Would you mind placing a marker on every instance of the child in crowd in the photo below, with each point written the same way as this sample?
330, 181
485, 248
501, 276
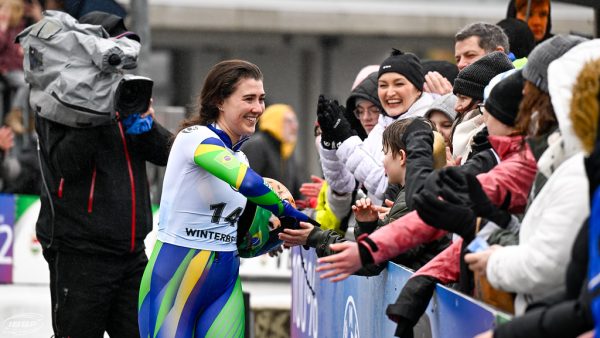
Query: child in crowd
366, 212
442, 115
400, 90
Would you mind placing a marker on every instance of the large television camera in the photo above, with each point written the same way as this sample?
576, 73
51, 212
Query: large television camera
77, 72
133, 94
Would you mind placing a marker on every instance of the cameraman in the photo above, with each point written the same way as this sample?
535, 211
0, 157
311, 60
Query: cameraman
94, 217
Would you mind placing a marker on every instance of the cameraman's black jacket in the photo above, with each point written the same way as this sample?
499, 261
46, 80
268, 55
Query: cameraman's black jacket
91, 179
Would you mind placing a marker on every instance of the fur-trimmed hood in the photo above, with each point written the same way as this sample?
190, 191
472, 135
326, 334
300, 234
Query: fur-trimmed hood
569, 83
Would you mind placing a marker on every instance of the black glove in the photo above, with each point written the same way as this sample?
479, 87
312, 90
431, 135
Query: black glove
418, 126
448, 214
334, 126
326, 130
480, 142
483, 207
453, 181
289, 222
466, 190
411, 304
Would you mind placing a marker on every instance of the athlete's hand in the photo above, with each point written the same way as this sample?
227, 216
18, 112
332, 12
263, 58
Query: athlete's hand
275, 251
290, 211
341, 265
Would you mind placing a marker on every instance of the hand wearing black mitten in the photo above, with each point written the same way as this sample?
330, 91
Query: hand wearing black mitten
411, 304
453, 179
483, 207
340, 127
325, 124
419, 126
480, 142
288, 222
450, 215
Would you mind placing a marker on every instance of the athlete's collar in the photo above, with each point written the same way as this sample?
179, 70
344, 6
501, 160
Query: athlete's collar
226, 139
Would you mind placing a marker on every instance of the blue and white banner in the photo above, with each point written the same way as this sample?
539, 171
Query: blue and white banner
7, 221
356, 307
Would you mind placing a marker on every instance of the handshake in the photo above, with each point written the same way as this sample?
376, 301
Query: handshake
335, 128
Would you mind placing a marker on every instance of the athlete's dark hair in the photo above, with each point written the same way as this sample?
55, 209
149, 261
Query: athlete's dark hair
220, 82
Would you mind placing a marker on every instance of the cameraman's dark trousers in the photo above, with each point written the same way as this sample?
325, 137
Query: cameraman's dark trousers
94, 293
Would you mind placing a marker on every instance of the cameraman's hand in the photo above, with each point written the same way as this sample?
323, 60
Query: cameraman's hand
150, 111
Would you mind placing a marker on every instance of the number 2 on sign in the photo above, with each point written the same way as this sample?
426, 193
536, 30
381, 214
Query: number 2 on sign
4, 246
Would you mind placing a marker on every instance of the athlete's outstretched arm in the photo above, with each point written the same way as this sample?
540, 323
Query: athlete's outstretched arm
213, 157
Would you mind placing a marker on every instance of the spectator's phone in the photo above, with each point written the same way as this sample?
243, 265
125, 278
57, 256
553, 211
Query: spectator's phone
477, 245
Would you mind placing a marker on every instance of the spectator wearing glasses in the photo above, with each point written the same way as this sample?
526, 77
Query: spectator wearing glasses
336, 196
400, 90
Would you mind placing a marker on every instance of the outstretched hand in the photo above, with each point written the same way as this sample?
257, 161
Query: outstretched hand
436, 83
384, 210
293, 237
478, 261
311, 190
365, 211
341, 265
334, 125
4, 17
6, 139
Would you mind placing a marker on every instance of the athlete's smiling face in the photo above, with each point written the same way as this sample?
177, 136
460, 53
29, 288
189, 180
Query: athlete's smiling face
239, 113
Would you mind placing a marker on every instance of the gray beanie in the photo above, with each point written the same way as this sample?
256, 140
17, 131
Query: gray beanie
444, 104
536, 68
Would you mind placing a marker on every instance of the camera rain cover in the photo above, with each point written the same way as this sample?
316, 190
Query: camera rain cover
71, 70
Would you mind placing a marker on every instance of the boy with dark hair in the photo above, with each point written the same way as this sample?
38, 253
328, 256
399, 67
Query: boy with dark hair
367, 214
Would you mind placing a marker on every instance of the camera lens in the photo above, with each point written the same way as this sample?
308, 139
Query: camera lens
133, 95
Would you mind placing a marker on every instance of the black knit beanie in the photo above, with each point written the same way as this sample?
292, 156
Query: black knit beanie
505, 97
520, 37
445, 68
406, 64
472, 80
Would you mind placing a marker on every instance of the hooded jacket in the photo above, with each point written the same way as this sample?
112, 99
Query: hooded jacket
364, 159
339, 178
366, 90
537, 265
511, 12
